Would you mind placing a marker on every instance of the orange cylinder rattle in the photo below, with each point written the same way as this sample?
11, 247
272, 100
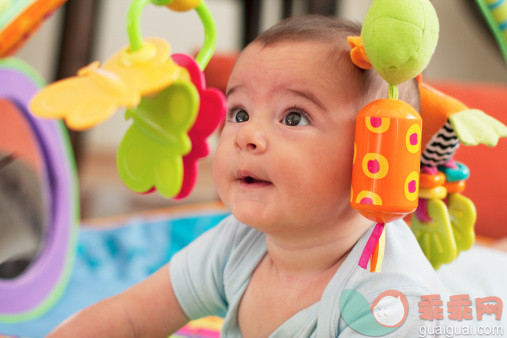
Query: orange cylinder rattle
385, 175
387, 153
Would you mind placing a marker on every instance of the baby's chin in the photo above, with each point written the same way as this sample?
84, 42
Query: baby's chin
257, 219
268, 224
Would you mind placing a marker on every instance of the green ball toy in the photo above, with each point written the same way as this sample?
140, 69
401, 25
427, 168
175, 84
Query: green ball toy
399, 37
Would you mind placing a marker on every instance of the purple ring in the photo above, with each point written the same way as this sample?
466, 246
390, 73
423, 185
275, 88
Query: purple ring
32, 288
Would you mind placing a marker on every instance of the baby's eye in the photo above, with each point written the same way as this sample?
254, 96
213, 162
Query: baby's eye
239, 116
296, 118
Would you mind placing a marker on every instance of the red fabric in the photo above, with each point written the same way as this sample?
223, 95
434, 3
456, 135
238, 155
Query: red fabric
219, 69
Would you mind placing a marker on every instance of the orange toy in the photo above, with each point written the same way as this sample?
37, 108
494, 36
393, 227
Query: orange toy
385, 175
436, 108
27, 17
385, 178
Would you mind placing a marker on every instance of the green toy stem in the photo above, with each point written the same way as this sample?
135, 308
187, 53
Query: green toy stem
493, 25
210, 31
393, 92
210, 35
133, 24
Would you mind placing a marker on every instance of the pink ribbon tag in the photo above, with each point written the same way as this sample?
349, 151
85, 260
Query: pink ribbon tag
370, 245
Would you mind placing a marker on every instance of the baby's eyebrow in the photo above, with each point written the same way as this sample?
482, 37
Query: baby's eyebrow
232, 89
307, 95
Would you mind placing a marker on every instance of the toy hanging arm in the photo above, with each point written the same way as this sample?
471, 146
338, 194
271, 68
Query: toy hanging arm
210, 32
387, 145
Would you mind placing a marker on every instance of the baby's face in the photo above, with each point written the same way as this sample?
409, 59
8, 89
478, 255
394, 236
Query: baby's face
285, 154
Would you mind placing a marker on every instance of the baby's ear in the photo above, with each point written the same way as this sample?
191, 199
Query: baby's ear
358, 54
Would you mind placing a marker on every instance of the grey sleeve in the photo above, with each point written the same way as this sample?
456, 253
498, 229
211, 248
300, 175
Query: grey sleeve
197, 271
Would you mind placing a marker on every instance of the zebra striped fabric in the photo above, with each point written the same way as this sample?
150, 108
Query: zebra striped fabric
441, 147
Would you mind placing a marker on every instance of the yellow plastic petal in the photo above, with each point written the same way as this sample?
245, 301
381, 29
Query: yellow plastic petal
85, 100
96, 93
148, 70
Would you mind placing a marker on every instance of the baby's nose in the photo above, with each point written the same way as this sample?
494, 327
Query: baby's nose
251, 139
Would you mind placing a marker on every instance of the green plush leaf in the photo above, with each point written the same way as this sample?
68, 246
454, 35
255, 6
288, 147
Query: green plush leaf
475, 127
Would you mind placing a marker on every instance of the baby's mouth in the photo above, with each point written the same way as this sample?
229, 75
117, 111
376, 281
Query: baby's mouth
250, 180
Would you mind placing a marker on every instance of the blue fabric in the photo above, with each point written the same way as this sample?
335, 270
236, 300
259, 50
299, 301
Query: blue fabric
111, 260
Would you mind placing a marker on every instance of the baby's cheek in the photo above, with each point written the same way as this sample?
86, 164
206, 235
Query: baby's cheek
218, 170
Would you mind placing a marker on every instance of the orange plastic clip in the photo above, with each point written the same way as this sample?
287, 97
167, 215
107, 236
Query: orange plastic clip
358, 54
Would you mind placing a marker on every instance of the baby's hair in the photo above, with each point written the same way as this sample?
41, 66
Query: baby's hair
333, 32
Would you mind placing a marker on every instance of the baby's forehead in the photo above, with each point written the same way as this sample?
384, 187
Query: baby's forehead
301, 58
318, 50
312, 66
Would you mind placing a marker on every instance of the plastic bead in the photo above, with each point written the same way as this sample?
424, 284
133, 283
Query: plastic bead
459, 172
428, 181
455, 187
183, 5
435, 193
